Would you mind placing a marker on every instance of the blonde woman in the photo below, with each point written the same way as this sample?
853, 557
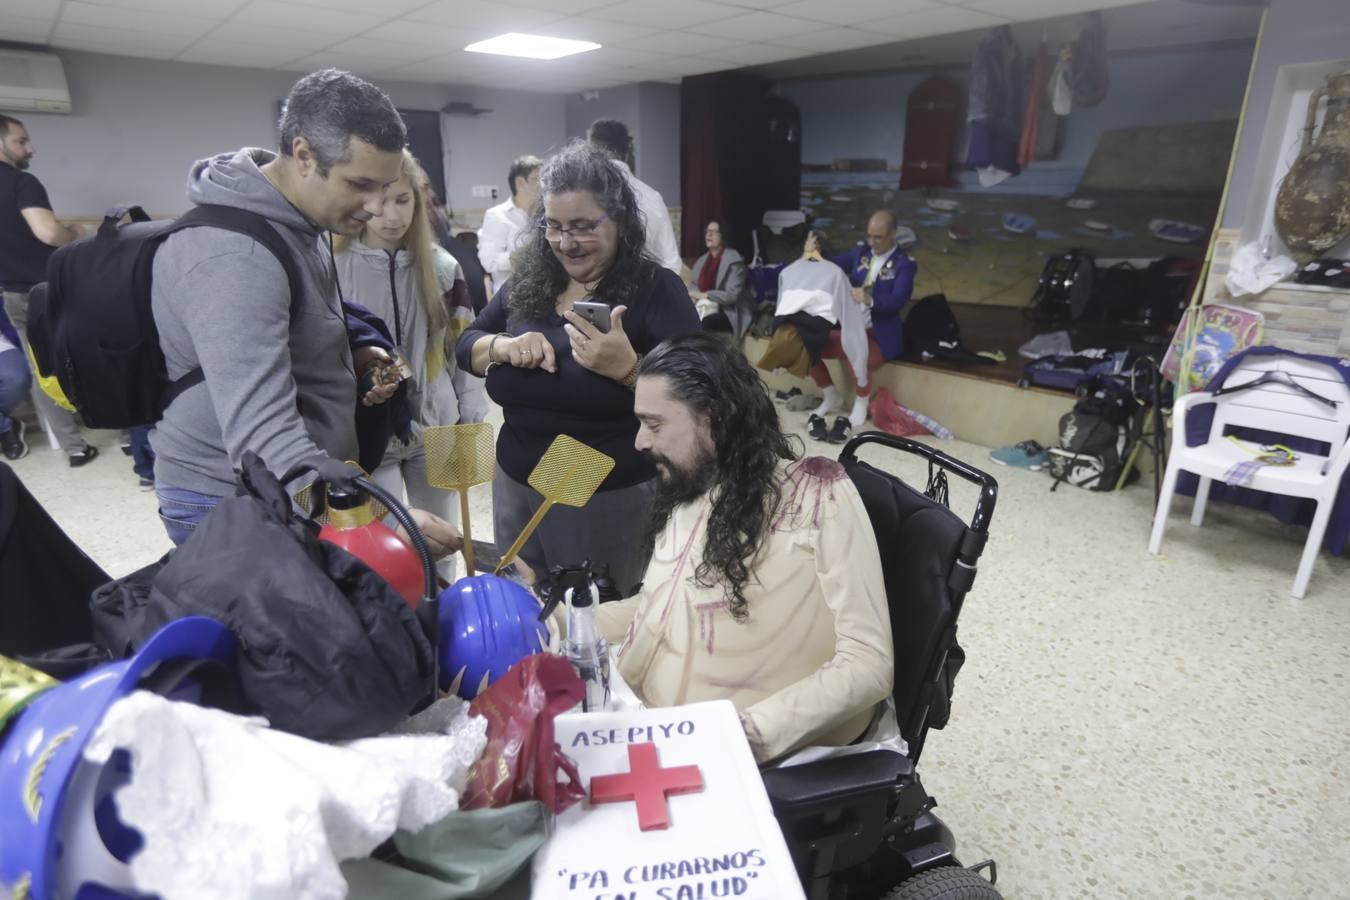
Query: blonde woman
396, 269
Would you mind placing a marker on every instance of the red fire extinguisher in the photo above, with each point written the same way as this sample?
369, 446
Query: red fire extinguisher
353, 527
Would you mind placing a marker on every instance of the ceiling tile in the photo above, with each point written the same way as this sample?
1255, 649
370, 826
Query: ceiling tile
484, 14
681, 65
664, 13
586, 28
761, 4
757, 26
935, 21
201, 9
1026, 10
679, 43
232, 53
617, 57
286, 16
424, 33
853, 12
22, 28
386, 8
30, 9
297, 41
468, 64
68, 34
115, 49
75, 13
393, 52
753, 54
351, 62
828, 40
563, 7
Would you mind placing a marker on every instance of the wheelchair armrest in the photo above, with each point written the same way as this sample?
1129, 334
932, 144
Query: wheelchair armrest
836, 780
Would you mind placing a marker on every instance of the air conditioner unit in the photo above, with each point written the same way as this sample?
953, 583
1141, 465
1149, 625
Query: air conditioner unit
32, 82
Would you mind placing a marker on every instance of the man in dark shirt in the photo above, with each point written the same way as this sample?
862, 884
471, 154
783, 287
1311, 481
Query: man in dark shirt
29, 232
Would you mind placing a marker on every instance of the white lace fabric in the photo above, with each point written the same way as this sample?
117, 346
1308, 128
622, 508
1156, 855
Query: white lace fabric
231, 808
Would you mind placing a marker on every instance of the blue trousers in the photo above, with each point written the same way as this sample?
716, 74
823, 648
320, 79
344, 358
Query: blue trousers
14, 384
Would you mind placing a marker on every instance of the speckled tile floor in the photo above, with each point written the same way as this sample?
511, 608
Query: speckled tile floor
1125, 726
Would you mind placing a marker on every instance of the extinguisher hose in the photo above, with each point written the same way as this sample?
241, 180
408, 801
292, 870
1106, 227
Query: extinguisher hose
428, 610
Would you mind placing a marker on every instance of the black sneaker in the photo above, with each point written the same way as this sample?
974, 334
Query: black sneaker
787, 395
11, 439
86, 455
840, 431
815, 426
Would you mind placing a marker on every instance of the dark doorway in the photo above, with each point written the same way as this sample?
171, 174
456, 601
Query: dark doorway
424, 140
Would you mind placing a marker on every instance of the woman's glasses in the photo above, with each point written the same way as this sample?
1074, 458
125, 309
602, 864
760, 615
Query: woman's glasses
578, 231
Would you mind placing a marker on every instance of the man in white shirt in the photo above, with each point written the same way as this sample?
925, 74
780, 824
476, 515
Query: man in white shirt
504, 223
612, 138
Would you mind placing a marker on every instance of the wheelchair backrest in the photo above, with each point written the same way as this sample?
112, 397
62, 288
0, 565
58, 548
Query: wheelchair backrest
928, 557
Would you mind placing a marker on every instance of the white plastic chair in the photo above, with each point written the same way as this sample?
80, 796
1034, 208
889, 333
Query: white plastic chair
1275, 407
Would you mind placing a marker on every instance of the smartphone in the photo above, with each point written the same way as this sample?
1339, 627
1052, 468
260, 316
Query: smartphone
595, 313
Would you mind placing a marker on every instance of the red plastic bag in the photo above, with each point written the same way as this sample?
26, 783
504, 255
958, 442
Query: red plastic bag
889, 417
522, 760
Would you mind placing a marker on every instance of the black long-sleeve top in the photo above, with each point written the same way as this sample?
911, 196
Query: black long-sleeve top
537, 405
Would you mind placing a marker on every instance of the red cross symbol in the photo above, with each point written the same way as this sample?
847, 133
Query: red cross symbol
648, 785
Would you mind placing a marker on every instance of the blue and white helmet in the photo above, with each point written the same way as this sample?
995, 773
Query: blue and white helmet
60, 838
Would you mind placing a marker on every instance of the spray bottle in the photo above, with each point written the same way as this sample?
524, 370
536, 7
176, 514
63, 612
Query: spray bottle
584, 648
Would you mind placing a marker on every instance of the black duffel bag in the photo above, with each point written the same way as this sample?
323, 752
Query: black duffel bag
327, 649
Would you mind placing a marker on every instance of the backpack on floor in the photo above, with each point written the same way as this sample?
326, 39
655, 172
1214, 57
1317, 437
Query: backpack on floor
91, 325
1093, 437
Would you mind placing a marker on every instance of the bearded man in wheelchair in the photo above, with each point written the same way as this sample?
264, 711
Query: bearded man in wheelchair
765, 582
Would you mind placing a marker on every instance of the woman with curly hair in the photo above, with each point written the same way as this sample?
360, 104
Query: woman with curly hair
554, 373
765, 585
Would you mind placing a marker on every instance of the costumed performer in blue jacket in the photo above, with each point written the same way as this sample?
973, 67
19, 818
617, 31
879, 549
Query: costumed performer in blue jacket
883, 279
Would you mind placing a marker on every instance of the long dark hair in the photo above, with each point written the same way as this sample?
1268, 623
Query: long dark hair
713, 378
539, 278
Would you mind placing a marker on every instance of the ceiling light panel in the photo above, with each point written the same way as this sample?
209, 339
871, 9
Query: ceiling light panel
531, 46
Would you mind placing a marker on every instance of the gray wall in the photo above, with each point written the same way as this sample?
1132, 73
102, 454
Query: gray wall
611, 103
137, 125
651, 110
1295, 31
658, 142
480, 148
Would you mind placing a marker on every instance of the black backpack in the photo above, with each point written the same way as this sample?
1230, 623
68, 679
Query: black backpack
931, 329
91, 325
1094, 436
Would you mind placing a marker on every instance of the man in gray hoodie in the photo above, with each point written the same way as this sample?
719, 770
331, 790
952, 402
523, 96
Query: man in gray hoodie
280, 377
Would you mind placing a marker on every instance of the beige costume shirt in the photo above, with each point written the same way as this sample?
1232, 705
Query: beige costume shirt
814, 657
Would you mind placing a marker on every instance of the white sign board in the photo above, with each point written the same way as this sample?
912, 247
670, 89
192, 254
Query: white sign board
721, 840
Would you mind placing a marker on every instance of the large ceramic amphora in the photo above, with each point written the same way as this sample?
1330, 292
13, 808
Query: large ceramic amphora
1312, 209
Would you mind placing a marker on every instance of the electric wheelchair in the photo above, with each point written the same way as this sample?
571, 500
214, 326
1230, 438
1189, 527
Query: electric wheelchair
862, 826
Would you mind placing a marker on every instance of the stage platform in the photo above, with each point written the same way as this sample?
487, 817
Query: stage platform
981, 403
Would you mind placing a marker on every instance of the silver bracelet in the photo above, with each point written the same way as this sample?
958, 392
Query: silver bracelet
492, 346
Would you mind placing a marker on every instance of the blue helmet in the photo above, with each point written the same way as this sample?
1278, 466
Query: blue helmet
59, 831
488, 624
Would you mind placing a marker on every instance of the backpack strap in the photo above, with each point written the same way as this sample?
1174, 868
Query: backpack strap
249, 224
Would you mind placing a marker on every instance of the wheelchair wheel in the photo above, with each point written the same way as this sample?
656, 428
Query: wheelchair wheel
945, 883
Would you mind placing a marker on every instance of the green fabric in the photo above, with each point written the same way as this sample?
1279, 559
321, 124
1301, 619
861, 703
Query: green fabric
469, 853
